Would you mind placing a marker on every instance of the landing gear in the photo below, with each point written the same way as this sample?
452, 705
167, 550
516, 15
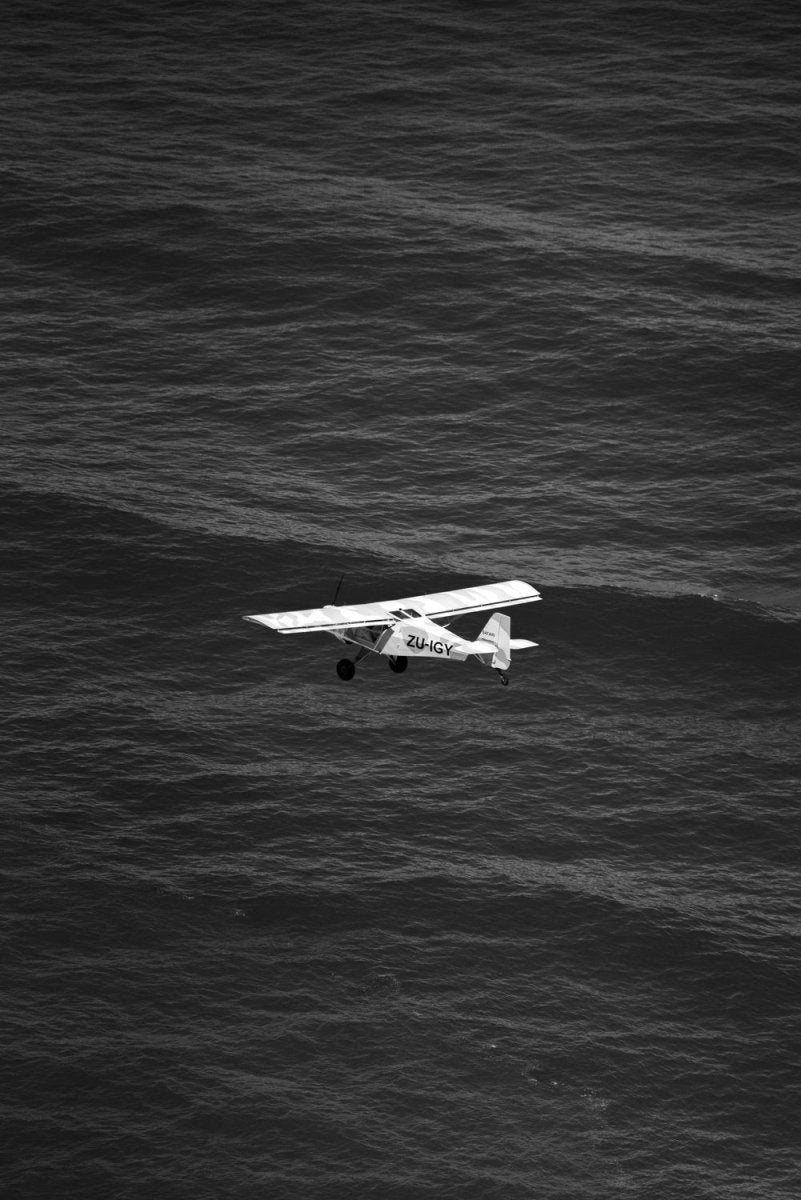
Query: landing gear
345, 669
503, 678
398, 664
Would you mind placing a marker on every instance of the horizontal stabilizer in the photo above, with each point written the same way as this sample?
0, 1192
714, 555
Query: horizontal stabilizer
521, 644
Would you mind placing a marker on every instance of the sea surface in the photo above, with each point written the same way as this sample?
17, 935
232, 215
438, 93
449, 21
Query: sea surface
421, 295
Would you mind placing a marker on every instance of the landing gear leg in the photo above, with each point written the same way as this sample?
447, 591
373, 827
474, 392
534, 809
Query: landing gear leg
345, 669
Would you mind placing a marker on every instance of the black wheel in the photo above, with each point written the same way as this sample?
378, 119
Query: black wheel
398, 664
503, 678
345, 669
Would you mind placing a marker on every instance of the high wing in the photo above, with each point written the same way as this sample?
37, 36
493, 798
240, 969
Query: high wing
330, 617
472, 599
387, 612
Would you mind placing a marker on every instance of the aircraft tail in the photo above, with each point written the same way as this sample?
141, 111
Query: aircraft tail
497, 632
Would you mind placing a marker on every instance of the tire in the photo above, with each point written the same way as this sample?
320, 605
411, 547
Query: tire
398, 664
345, 669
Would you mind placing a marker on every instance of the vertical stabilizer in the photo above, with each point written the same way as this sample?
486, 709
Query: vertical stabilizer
497, 632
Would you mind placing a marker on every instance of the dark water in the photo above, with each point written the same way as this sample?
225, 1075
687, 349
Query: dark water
428, 295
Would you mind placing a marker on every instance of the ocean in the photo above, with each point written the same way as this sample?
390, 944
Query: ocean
418, 296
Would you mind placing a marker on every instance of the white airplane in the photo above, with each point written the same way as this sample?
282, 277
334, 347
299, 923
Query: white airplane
404, 629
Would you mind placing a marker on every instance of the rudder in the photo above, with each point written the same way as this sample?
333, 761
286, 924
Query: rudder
498, 632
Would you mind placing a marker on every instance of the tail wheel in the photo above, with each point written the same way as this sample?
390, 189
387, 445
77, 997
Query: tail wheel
398, 664
503, 678
345, 669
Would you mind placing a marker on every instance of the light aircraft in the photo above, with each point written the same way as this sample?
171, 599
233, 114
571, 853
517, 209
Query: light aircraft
404, 629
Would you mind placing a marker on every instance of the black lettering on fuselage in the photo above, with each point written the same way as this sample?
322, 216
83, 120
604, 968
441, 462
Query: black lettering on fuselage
416, 642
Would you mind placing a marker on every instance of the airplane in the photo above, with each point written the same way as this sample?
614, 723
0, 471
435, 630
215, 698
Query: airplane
404, 629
